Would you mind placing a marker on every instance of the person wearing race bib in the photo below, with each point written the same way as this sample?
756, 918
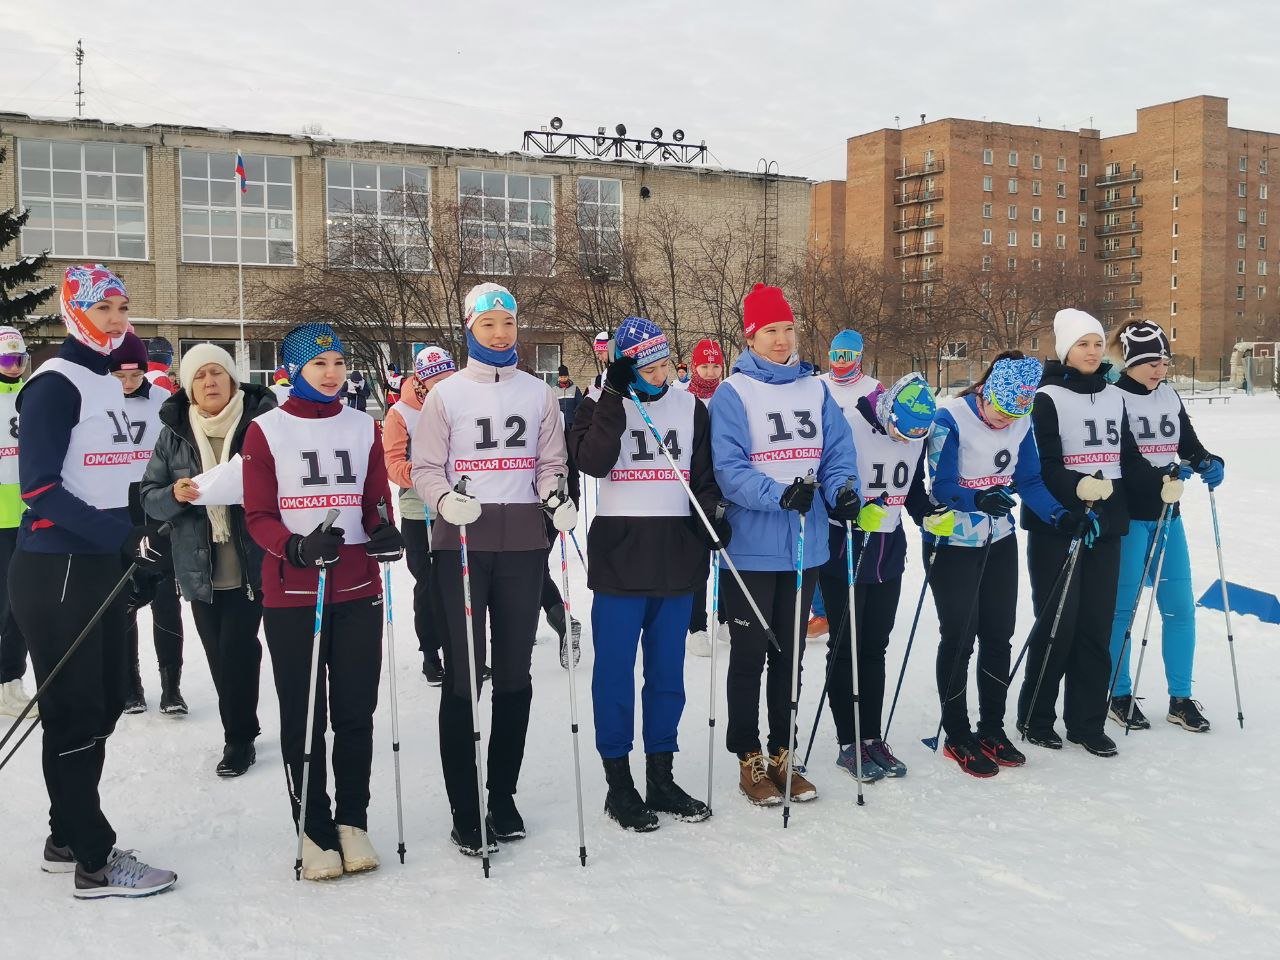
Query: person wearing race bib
600, 350
888, 426
395, 385
981, 447
13, 646
300, 461
1163, 430
1088, 459
75, 463
708, 374
218, 566
772, 424
648, 553
431, 366
502, 429
157, 588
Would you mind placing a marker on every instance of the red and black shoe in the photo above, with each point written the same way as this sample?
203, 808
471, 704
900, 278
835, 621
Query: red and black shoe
998, 748
967, 754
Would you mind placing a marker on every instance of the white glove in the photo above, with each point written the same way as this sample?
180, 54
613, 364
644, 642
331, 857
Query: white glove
1171, 491
564, 515
1093, 489
458, 508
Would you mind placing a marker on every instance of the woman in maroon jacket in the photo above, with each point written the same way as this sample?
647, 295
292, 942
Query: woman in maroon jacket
310, 456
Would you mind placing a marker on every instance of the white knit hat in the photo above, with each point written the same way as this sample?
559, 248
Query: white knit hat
479, 290
1070, 326
197, 356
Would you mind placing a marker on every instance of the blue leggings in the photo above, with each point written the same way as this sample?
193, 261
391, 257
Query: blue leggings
1174, 598
618, 625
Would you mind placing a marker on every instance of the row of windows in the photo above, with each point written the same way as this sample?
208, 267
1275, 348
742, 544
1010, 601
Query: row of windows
1262, 267
988, 186
1243, 165
90, 199
988, 158
1262, 291
1242, 190
1036, 214
1011, 239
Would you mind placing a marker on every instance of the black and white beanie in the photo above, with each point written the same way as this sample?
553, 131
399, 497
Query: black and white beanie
1144, 342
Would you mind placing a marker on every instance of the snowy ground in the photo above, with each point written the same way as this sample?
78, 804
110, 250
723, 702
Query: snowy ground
1168, 850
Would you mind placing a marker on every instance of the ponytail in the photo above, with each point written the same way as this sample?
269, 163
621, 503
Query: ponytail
975, 388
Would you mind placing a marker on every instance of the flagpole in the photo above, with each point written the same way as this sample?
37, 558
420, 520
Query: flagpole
244, 347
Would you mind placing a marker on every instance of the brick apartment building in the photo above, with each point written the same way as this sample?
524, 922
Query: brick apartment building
158, 204
1172, 221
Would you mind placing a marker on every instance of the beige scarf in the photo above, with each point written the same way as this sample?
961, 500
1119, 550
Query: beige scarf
222, 424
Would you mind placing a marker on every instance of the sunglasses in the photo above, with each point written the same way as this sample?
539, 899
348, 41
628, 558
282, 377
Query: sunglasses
845, 356
13, 363
494, 300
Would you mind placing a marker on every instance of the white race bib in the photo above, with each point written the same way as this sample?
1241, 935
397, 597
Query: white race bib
1089, 426
641, 483
8, 438
987, 457
785, 424
1155, 423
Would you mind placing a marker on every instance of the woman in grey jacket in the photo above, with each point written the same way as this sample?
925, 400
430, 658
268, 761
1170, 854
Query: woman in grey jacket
219, 567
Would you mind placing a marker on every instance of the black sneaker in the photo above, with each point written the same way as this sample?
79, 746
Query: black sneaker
1119, 713
505, 822
998, 748
432, 669
1047, 738
664, 795
1185, 712
1099, 744
236, 760
970, 758
467, 840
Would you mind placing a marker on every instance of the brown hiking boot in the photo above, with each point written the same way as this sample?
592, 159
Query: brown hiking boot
801, 789
754, 781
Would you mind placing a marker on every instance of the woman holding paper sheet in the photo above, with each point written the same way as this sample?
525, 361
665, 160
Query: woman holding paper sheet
218, 565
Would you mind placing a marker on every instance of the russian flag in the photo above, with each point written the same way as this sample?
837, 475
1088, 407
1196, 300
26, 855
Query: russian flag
244, 182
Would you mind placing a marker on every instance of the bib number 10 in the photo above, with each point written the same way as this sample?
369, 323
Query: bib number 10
901, 474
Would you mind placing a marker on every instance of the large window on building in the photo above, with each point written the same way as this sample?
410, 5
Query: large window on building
507, 218
546, 359
86, 199
216, 214
375, 211
600, 223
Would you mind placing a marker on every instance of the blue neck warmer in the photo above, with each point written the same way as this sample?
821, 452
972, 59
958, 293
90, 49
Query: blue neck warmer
644, 388
305, 391
495, 358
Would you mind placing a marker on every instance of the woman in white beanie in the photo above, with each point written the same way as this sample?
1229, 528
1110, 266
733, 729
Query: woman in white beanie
218, 566
1087, 459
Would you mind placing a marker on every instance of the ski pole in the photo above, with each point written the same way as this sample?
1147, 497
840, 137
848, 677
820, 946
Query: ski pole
163, 531
853, 650
1035, 624
1073, 554
391, 682
915, 622
573, 699
711, 700
946, 696
1133, 614
1146, 630
574, 537
1226, 607
329, 519
795, 662
473, 683
697, 507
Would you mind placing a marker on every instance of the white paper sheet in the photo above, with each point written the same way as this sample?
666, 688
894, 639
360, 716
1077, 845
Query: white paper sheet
223, 485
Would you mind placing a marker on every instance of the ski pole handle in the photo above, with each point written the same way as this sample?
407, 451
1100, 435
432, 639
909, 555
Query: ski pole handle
330, 518
461, 485
382, 510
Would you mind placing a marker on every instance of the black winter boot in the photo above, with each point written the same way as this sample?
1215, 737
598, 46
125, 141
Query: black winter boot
171, 702
135, 701
622, 803
506, 754
663, 794
458, 763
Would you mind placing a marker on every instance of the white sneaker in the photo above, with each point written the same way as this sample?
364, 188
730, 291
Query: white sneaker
319, 864
699, 644
13, 700
358, 854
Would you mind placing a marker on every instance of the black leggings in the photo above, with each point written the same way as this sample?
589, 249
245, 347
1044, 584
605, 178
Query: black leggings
417, 551
13, 646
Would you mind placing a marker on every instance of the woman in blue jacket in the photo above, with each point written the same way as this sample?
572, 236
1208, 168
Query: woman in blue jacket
772, 424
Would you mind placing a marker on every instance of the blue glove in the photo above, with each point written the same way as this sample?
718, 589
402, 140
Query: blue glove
1079, 523
1211, 470
1184, 471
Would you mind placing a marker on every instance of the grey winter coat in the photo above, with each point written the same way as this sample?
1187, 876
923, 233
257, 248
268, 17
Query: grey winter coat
175, 457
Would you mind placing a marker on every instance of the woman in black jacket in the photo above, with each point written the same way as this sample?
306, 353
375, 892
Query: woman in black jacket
219, 567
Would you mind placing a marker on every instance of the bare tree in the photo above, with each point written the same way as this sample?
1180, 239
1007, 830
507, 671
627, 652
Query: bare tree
1008, 307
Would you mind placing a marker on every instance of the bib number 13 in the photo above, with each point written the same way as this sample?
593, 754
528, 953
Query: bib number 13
805, 428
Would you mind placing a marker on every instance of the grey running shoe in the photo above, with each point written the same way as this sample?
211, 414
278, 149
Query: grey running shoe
123, 876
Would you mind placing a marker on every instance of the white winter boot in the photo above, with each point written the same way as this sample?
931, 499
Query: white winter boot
358, 854
13, 700
319, 864
699, 644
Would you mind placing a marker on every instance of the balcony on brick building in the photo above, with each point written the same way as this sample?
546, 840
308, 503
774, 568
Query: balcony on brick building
1124, 253
920, 169
918, 223
917, 249
1133, 276
1121, 203
922, 276
1115, 229
1112, 179
901, 197
1129, 303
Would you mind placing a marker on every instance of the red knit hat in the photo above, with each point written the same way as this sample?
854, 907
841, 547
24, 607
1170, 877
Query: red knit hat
764, 305
707, 351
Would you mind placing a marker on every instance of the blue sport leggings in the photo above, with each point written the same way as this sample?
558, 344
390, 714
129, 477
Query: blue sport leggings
1174, 598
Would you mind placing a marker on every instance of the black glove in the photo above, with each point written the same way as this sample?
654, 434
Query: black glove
142, 588
386, 544
620, 374
996, 502
846, 506
798, 496
1079, 523
319, 548
720, 524
140, 546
